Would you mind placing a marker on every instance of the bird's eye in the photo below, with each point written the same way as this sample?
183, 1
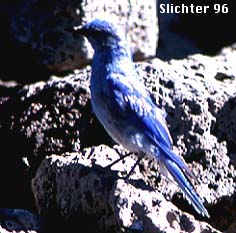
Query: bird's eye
96, 33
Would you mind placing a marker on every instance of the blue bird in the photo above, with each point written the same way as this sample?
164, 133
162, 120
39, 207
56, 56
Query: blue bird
125, 109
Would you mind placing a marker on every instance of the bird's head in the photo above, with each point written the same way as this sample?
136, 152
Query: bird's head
101, 34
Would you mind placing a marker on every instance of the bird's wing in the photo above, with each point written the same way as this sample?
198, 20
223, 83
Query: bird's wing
133, 102
136, 105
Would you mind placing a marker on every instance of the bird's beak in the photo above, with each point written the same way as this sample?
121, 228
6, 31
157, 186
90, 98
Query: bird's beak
80, 30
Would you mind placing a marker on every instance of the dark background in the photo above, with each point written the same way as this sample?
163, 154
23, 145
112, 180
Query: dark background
195, 33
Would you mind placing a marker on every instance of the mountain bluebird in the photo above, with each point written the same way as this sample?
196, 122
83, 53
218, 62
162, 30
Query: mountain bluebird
125, 109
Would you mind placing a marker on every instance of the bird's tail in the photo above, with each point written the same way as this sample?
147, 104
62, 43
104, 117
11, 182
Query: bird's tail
170, 162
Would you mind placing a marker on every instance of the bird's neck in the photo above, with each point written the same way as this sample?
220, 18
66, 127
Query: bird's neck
113, 60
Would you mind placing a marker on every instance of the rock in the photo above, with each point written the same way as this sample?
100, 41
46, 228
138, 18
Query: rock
18, 220
50, 117
77, 184
202, 123
197, 94
41, 119
38, 120
43, 32
7, 89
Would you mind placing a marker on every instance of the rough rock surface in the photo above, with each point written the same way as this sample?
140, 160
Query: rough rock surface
79, 184
40, 119
37, 120
18, 220
7, 89
49, 115
45, 29
198, 94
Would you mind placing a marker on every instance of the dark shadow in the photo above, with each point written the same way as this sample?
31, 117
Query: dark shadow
210, 31
181, 35
183, 205
222, 214
18, 61
224, 128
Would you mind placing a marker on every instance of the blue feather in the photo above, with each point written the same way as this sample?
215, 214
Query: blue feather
178, 174
140, 109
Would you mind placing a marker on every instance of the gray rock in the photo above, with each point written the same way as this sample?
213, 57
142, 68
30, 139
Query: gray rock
18, 220
197, 93
194, 101
202, 123
7, 89
75, 183
38, 120
49, 116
